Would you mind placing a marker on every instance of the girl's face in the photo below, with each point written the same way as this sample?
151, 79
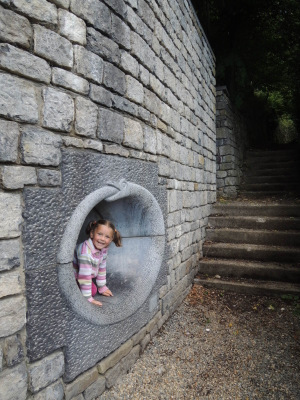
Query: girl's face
102, 236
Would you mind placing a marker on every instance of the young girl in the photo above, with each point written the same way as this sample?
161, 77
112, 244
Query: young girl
90, 259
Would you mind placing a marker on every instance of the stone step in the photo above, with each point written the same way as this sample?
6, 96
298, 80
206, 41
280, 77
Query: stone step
272, 195
270, 172
250, 286
255, 222
265, 162
252, 252
271, 179
257, 209
250, 236
272, 187
278, 153
250, 269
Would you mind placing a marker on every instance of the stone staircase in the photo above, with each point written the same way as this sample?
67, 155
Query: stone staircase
253, 243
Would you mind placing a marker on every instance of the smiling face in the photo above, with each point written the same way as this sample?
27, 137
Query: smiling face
102, 236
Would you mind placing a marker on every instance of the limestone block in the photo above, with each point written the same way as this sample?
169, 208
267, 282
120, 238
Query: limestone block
221, 174
101, 95
10, 283
111, 126
122, 367
115, 149
58, 110
88, 64
102, 45
231, 181
71, 27
10, 217
93, 144
13, 383
81, 383
12, 315
53, 47
72, 141
114, 78
40, 10
23, 63
62, 3
120, 103
48, 177
114, 357
144, 114
68, 80
120, 32
144, 75
150, 139
40, 146
52, 392
15, 177
135, 90
18, 99
13, 351
95, 389
129, 63
9, 20
10, 250
93, 11
145, 341
139, 336
86, 117
9, 138
133, 135
175, 200
46, 371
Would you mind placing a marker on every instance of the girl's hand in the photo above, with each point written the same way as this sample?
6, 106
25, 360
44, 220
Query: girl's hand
107, 293
98, 303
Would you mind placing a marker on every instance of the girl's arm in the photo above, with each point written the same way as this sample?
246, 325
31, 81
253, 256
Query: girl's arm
101, 278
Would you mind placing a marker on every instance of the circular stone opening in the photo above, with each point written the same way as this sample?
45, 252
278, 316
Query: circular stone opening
131, 269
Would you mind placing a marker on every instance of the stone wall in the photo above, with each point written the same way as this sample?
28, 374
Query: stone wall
131, 80
231, 144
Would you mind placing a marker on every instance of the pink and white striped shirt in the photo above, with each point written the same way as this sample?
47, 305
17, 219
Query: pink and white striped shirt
89, 263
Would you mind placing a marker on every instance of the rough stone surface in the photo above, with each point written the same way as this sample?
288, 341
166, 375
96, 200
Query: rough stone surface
13, 383
40, 146
12, 315
69, 80
72, 27
150, 142
114, 78
135, 91
23, 63
133, 135
111, 126
101, 95
129, 63
102, 45
52, 392
58, 110
95, 389
81, 383
10, 217
53, 47
86, 117
8, 32
44, 372
10, 283
18, 99
115, 357
48, 177
62, 3
40, 10
15, 177
94, 12
13, 351
92, 144
120, 32
88, 64
9, 139
10, 250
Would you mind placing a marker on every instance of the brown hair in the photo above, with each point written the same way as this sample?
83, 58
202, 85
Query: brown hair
117, 239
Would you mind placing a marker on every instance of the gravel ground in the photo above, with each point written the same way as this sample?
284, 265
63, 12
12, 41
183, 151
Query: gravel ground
220, 345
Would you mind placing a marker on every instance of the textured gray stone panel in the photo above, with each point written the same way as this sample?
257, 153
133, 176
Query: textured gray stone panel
102, 45
114, 78
72, 27
23, 63
88, 64
10, 250
53, 47
86, 117
58, 110
120, 32
70, 81
93, 11
48, 177
40, 146
8, 32
111, 126
40, 10
13, 383
10, 216
9, 139
18, 99
100, 95
13, 351
12, 315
